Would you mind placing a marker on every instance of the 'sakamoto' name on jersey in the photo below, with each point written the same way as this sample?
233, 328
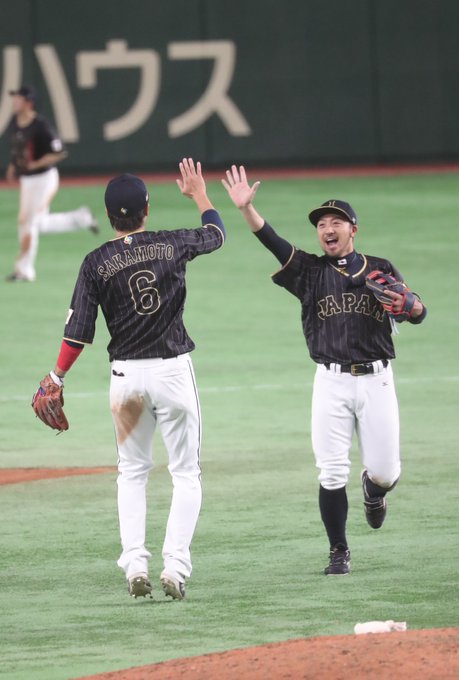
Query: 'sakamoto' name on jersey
138, 281
130, 256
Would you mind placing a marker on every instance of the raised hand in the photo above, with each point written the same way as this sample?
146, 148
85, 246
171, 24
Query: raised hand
192, 182
238, 188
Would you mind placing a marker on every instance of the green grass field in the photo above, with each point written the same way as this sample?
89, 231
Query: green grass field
260, 548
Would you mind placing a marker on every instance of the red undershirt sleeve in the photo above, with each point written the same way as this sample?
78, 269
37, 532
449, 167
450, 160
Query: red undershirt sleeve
68, 355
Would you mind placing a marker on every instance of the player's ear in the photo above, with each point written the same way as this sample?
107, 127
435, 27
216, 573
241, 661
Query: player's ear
147, 209
354, 230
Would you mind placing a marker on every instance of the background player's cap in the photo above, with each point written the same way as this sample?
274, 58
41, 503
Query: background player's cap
125, 196
334, 206
26, 91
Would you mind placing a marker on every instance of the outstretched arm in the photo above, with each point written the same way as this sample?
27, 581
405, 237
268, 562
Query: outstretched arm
193, 186
242, 195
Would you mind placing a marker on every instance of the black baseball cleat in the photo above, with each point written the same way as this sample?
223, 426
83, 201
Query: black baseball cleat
340, 561
375, 507
139, 586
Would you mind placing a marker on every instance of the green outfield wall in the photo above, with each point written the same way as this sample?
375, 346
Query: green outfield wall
137, 85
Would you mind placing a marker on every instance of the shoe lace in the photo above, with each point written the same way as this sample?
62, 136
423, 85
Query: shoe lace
339, 555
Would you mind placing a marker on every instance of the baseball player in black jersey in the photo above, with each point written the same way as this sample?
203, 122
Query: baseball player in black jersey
35, 149
348, 334
138, 281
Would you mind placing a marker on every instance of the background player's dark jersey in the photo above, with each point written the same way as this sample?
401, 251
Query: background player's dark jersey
31, 143
342, 321
139, 282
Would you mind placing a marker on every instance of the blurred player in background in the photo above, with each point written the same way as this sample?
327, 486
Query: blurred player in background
35, 150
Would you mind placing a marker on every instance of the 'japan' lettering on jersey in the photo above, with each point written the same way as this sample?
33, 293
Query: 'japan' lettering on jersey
138, 280
342, 321
31, 143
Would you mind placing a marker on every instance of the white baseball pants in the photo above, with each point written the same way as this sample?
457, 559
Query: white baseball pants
36, 194
367, 404
145, 393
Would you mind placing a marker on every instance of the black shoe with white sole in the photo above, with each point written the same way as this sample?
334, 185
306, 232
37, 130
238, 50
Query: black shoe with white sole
340, 561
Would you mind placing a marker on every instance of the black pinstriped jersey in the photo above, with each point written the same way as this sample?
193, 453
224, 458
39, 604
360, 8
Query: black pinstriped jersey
342, 321
138, 280
31, 143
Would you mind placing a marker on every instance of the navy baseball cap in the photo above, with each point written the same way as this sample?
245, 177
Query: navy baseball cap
25, 91
333, 206
126, 196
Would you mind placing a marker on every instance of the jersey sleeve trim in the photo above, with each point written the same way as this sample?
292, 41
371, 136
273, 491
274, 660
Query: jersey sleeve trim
287, 263
220, 230
211, 218
81, 342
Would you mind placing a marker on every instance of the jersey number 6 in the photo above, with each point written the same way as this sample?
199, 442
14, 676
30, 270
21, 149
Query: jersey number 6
144, 295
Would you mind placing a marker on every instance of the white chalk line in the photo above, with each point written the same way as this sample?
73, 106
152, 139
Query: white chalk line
224, 389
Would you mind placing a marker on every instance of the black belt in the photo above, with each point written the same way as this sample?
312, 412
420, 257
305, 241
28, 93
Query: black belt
358, 369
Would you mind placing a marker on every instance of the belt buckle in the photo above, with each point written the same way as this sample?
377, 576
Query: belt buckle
358, 369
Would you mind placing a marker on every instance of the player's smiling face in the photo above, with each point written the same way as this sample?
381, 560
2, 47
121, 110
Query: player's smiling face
336, 235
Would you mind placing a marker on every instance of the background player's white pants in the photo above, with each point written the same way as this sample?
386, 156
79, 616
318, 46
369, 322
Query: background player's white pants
36, 194
147, 392
342, 403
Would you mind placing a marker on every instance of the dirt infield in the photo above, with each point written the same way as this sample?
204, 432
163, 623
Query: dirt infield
427, 654
19, 475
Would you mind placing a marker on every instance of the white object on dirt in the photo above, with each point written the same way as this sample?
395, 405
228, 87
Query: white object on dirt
379, 627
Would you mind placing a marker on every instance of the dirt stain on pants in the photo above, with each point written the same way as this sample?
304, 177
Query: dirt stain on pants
126, 416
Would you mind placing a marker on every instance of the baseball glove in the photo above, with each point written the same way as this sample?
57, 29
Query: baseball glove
380, 282
47, 402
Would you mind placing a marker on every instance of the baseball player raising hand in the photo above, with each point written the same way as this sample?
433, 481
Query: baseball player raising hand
138, 280
347, 327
